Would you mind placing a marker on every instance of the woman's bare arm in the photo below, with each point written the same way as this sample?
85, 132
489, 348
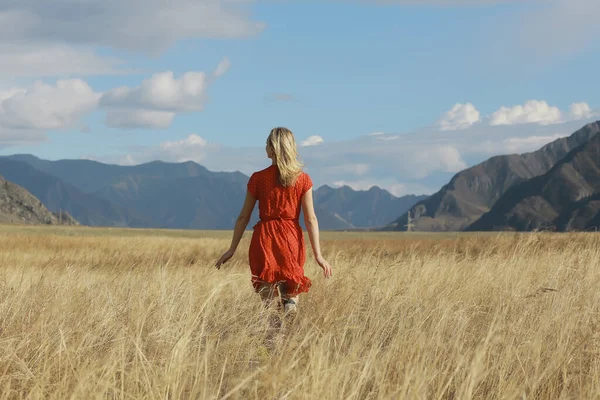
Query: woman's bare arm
240, 226
311, 222
242, 221
312, 226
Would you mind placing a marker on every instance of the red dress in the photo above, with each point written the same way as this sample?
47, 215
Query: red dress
277, 252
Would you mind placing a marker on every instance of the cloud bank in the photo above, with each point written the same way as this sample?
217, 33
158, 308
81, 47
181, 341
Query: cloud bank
58, 38
43, 106
156, 23
463, 116
153, 104
532, 112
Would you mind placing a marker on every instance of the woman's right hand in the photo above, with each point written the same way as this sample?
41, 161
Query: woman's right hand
327, 271
224, 258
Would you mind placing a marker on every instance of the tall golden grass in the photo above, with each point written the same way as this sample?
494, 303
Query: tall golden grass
136, 316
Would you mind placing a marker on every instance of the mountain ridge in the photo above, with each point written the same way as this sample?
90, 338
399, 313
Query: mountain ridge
370, 208
473, 191
177, 195
57, 195
565, 198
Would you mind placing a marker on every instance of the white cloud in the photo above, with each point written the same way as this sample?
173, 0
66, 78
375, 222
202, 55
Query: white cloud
10, 92
146, 25
465, 116
22, 60
222, 68
442, 158
11, 136
478, 144
376, 134
192, 148
155, 102
533, 111
60, 40
580, 111
26, 113
312, 141
461, 116
528, 143
410, 157
161, 92
450, 159
191, 140
406, 165
43, 106
131, 119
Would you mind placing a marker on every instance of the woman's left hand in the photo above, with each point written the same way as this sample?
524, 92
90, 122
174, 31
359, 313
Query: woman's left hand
224, 258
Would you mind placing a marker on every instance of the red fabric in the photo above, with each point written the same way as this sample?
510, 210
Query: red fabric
277, 252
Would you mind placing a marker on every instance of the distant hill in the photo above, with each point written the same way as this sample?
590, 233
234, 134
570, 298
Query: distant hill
177, 195
472, 192
565, 198
91, 176
17, 205
375, 207
152, 195
56, 195
200, 201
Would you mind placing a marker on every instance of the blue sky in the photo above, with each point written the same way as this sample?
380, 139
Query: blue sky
447, 83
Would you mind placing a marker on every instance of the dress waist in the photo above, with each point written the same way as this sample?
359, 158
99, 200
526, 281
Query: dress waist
273, 219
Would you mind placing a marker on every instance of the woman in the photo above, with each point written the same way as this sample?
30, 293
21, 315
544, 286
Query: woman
277, 252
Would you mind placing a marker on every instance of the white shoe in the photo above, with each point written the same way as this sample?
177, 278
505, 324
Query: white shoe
289, 306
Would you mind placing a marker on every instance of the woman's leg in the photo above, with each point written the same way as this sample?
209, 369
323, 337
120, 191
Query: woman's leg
267, 292
289, 296
287, 292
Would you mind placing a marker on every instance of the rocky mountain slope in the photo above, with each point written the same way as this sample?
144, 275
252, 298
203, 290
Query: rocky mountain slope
17, 205
55, 194
472, 192
565, 198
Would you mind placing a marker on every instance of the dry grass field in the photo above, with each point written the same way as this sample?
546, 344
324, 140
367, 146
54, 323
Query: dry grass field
127, 314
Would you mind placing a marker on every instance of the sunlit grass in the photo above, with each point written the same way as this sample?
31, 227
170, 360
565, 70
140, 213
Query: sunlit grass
99, 313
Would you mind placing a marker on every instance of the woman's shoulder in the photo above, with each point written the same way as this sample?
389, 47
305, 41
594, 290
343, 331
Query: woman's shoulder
263, 171
304, 180
305, 175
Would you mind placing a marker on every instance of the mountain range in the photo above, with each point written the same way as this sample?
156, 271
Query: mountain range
474, 191
556, 187
177, 195
375, 207
566, 198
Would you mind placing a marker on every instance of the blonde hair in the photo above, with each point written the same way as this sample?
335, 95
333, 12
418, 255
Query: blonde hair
283, 144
